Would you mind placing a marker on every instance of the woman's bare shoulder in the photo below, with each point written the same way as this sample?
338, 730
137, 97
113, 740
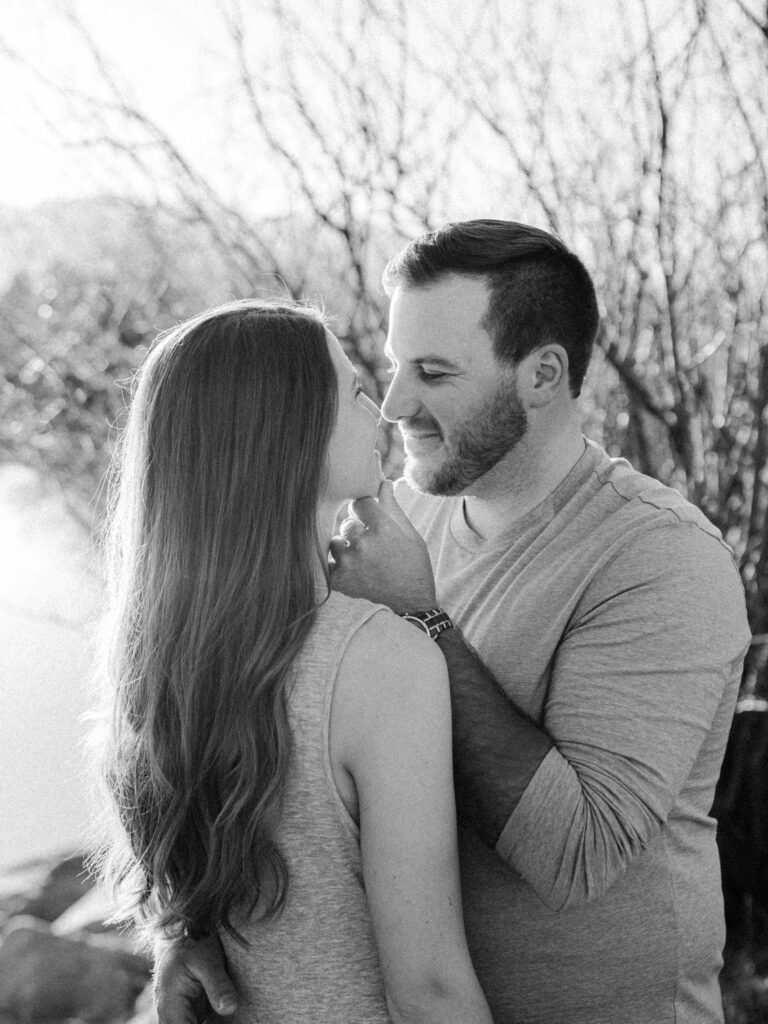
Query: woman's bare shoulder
385, 646
392, 679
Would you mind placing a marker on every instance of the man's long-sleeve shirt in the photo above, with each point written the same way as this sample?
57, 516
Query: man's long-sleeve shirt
612, 614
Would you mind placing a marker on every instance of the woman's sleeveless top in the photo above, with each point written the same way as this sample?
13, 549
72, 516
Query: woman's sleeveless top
317, 961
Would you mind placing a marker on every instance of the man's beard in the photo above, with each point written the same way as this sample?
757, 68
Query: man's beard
476, 447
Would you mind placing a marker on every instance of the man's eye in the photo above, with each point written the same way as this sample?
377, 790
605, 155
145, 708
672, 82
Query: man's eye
431, 375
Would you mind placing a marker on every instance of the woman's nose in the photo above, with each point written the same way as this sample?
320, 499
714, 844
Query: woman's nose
372, 408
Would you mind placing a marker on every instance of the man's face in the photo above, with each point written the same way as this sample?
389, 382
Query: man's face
456, 405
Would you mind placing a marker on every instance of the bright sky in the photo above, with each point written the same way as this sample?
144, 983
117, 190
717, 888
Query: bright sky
161, 44
170, 52
167, 49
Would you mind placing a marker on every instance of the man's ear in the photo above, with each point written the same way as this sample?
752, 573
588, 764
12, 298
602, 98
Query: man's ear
546, 374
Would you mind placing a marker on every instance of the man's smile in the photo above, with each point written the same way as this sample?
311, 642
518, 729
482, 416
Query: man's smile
421, 441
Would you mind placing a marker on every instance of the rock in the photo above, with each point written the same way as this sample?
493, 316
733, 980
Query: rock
89, 914
66, 883
144, 1011
55, 888
43, 975
18, 885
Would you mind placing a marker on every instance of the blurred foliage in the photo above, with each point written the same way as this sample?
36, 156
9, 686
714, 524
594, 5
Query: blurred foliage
74, 328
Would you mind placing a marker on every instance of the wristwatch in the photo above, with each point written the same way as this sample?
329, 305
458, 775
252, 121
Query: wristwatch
431, 622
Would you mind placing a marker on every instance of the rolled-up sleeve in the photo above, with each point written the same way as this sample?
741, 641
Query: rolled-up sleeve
645, 676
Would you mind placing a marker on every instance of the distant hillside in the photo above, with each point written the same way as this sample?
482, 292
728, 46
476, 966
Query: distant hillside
71, 229
103, 231
113, 234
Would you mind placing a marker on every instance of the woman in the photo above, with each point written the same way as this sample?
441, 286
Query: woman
280, 755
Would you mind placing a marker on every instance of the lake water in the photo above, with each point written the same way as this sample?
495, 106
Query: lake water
49, 606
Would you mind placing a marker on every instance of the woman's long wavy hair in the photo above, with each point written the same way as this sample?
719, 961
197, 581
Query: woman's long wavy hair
213, 554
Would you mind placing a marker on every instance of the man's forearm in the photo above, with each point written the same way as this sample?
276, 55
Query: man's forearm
496, 748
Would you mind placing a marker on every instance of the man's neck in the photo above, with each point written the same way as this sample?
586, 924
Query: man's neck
520, 482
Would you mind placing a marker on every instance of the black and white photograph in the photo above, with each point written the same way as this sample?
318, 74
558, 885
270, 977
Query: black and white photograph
383, 512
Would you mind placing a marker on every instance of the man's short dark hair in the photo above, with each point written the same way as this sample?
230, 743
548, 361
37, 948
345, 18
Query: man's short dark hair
540, 292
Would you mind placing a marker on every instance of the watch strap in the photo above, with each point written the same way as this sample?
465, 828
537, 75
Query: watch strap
432, 622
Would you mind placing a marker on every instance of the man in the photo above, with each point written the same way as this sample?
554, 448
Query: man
596, 653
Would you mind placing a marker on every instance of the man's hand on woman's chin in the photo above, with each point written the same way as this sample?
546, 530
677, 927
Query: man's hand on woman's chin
381, 557
191, 979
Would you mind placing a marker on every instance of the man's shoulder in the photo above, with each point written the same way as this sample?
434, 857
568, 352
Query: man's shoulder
653, 541
643, 498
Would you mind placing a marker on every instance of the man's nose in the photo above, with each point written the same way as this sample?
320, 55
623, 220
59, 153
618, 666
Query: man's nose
401, 400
